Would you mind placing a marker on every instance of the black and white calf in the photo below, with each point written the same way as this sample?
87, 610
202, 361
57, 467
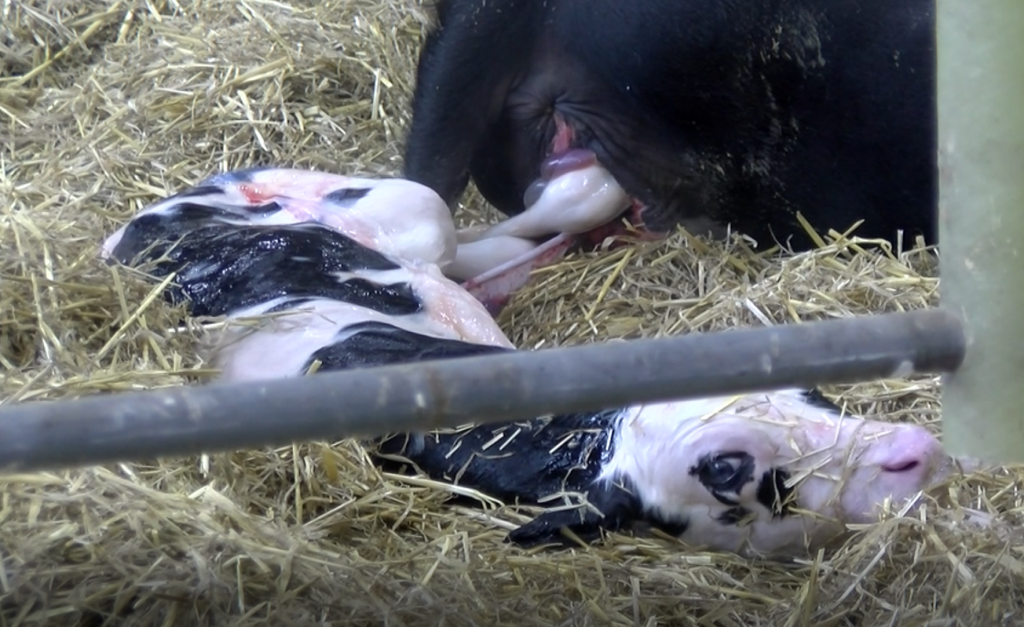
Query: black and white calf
740, 112
762, 474
766, 473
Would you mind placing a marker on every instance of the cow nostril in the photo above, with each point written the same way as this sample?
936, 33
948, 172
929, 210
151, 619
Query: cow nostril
903, 467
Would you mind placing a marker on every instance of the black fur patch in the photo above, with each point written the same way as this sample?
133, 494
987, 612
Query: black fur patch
347, 196
202, 190
815, 398
516, 461
379, 344
183, 217
673, 528
223, 268
523, 462
619, 507
773, 493
262, 210
288, 305
733, 515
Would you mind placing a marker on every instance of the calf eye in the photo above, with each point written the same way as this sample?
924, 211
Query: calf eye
725, 472
717, 472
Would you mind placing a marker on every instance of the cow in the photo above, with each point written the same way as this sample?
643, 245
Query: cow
713, 114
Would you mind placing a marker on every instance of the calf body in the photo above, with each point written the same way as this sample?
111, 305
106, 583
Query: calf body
295, 253
737, 112
768, 473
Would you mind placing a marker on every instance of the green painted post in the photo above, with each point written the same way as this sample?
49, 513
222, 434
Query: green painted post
981, 212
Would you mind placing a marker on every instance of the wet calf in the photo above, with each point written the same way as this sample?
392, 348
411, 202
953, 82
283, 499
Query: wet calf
300, 257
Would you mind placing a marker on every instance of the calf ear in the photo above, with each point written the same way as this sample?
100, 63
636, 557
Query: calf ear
617, 508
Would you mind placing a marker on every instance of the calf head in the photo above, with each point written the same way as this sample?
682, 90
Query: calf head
776, 473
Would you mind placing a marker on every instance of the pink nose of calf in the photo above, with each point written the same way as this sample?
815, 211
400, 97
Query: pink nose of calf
899, 461
910, 451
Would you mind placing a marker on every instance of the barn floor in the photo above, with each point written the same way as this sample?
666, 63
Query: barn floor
107, 105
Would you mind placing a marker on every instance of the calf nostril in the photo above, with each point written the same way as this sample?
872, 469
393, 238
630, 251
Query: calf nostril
901, 467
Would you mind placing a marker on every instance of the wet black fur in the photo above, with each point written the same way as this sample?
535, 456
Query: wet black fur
223, 268
743, 111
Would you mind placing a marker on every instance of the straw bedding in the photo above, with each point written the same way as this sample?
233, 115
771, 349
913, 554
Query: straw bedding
105, 106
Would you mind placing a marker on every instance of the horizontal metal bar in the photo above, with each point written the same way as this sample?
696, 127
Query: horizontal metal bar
511, 386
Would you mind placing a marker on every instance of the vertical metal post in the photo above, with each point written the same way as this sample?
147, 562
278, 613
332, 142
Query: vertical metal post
981, 212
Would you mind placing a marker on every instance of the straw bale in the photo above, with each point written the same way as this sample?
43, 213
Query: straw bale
106, 105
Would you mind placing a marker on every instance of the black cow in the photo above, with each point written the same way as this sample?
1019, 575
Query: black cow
738, 111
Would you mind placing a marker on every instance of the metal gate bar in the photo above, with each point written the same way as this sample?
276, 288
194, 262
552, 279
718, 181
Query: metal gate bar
482, 389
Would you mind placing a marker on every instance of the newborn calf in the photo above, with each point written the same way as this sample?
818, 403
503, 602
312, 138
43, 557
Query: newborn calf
768, 473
